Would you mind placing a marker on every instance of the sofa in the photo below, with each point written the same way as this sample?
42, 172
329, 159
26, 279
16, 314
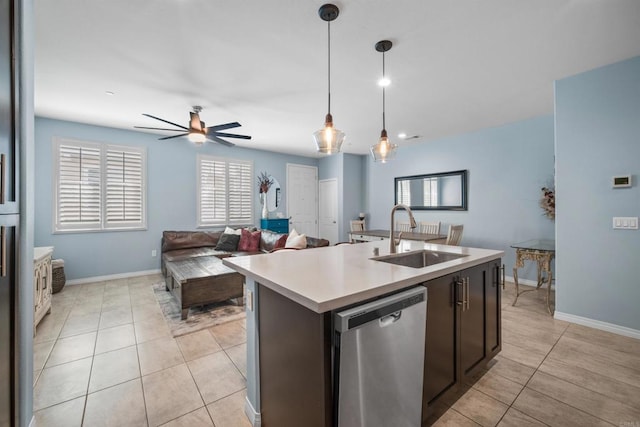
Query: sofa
193, 270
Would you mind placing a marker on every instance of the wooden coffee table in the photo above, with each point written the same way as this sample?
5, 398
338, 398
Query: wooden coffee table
202, 280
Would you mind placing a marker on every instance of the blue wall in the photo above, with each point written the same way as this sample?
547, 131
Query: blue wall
597, 137
171, 197
507, 166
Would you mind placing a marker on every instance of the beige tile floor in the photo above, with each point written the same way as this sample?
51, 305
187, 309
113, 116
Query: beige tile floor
104, 356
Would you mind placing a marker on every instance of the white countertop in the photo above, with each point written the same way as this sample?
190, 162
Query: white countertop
324, 279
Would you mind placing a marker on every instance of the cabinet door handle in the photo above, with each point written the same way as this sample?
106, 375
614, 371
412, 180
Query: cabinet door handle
460, 285
502, 276
467, 292
2, 183
3, 248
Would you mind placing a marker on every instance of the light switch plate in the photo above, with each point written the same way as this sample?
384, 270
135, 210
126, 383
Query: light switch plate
625, 222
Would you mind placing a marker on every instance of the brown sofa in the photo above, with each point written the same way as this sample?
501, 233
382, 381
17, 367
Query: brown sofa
180, 245
193, 272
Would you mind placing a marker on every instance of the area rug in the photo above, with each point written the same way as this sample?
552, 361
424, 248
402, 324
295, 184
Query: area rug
201, 317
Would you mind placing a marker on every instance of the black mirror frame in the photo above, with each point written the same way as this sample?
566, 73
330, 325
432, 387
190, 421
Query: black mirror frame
461, 173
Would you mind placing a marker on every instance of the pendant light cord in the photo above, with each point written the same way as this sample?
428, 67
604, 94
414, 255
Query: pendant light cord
384, 127
329, 66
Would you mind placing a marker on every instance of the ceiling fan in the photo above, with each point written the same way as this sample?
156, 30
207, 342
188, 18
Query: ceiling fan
197, 132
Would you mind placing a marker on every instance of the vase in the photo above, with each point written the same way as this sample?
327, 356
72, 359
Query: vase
265, 210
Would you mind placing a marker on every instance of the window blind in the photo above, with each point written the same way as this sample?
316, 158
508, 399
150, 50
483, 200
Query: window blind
98, 186
404, 192
79, 186
225, 191
124, 194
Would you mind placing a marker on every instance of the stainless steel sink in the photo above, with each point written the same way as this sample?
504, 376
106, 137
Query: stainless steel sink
418, 259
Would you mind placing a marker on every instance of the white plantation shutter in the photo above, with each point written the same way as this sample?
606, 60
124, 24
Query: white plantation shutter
404, 192
224, 191
78, 186
212, 177
430, 191
98, 186
124, 193
240, 184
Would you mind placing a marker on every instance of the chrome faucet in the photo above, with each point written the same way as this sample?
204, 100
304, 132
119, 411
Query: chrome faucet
392, 238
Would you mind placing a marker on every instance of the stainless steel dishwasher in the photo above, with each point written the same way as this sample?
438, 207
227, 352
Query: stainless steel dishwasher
379, 361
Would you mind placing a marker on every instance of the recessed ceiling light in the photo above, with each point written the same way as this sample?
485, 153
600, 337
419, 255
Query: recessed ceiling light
384, 82
402, 135
110, 93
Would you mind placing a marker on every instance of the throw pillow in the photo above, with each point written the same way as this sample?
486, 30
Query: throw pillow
281, 242
299, 241
228, 242
229, 230
249, 241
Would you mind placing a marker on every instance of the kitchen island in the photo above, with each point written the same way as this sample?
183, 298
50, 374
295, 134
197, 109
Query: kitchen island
291, 299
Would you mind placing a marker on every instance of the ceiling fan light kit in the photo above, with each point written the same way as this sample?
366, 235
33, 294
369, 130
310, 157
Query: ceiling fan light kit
328, 140
197, 132
384, 150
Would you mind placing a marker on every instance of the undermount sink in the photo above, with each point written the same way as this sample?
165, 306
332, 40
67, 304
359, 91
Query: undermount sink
418, 259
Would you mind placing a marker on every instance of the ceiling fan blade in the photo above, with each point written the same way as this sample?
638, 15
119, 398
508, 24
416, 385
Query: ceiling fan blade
231, 135
171, 130
173, 136
166, 121
221, 141
224, 126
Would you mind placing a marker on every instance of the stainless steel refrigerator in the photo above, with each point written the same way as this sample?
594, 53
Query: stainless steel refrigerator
9, 218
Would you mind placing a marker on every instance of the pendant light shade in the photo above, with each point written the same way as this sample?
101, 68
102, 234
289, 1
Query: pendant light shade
328, 139
384, 150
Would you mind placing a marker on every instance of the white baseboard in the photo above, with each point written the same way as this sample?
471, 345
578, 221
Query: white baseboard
597, 324
112, 277
250, 412
527, 282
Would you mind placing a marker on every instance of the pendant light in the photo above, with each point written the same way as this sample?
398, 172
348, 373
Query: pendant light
384, 150
328, 139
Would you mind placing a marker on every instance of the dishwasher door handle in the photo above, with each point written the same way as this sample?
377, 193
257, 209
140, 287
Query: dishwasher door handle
391, 318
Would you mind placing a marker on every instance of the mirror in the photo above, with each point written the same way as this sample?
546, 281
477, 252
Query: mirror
273, 195
435, 191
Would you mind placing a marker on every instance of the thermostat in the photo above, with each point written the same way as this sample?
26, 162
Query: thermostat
621, 181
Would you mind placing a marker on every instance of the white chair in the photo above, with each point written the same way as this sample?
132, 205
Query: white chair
454, 235
430, 227
403, 226
357, 225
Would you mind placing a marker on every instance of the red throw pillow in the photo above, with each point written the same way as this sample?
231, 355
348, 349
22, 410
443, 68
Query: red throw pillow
281, 242
249, 241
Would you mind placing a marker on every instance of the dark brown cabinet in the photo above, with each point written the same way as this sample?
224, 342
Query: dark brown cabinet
463, 329
295, 347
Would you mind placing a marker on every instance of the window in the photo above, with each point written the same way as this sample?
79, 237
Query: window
98, 186
225, 191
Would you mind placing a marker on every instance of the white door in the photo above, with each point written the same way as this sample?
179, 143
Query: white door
328, 210
302, 199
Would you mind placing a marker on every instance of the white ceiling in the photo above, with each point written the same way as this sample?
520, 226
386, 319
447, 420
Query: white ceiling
456, 66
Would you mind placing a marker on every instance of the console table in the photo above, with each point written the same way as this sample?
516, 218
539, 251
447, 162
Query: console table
42, 282
542, 252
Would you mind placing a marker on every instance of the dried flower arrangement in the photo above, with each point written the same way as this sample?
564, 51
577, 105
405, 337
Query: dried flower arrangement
264, 182
548, 202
